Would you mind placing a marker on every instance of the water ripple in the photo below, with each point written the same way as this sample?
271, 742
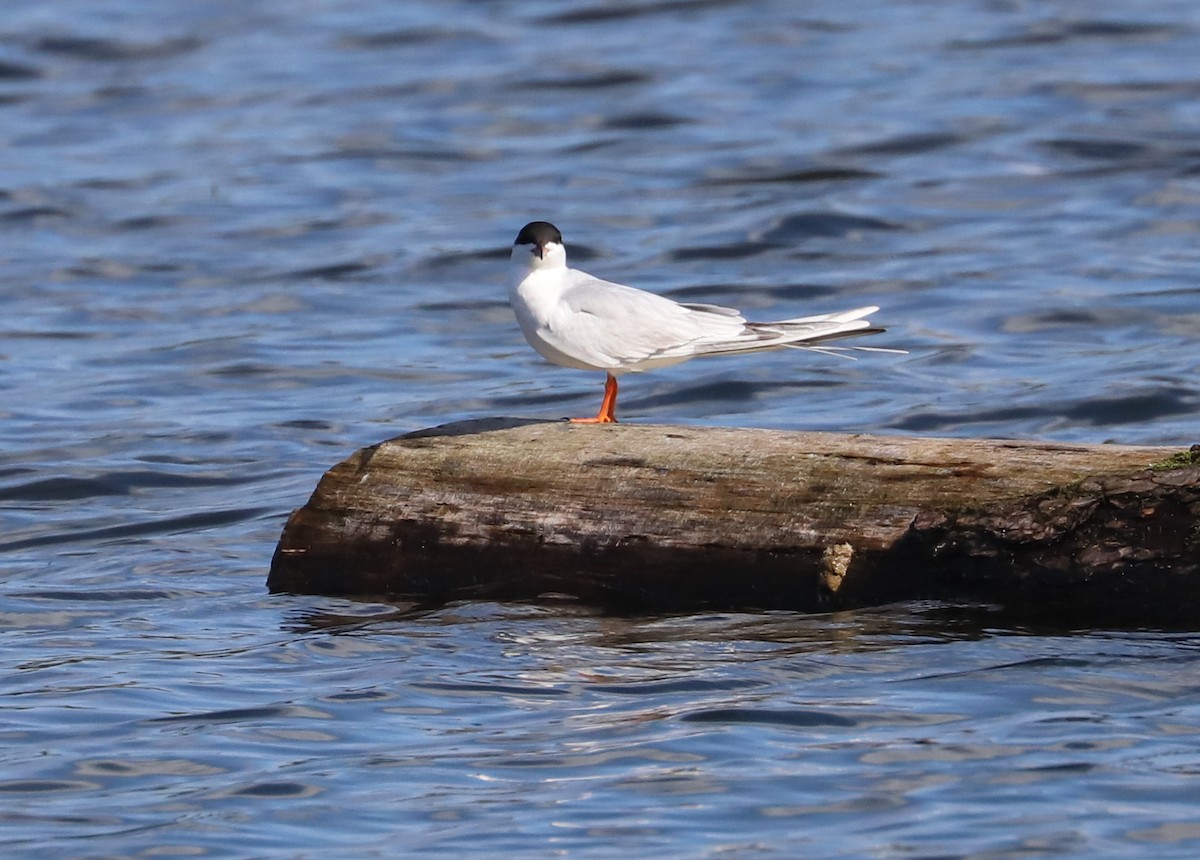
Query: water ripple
114, 50
109, 484
84, 533
765, 717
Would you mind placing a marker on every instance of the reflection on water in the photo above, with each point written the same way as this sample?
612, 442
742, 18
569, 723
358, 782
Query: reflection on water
511, 726
240, 241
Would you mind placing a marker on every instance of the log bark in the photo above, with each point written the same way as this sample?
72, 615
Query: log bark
678, 518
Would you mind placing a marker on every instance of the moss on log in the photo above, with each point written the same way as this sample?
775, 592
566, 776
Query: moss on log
663, 517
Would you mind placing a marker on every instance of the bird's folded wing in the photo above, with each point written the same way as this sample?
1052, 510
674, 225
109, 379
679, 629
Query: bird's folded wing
620, 326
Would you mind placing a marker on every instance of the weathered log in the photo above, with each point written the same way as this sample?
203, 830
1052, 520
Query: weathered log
655, 517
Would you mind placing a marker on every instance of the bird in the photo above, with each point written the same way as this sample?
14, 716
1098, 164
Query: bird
576, 320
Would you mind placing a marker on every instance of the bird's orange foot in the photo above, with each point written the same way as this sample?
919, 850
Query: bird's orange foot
608, 406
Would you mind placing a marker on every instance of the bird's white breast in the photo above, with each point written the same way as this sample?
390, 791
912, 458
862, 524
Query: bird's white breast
537, 302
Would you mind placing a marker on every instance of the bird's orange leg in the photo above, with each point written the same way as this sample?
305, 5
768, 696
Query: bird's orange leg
608, 406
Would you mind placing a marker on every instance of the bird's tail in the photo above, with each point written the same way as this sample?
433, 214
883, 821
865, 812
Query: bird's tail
811, 333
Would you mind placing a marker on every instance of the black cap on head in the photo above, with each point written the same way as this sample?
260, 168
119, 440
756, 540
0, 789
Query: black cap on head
538, 233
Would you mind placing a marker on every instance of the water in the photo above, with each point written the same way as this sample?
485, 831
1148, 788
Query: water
240, 240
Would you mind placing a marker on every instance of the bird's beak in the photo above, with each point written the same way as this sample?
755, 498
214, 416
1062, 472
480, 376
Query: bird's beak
540, 250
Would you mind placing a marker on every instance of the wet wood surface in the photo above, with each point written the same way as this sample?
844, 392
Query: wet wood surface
644, 517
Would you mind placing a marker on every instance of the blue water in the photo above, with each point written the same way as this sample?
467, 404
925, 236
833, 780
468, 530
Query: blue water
240, 240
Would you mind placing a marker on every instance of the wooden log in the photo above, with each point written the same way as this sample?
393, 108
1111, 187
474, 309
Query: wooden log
664, 517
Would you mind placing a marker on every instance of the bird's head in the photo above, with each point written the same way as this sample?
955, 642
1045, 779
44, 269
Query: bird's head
539, 245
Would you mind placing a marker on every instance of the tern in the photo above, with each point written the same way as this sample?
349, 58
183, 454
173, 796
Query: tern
576, 320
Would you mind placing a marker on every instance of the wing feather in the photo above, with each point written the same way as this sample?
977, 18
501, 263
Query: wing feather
620, 326
601, 324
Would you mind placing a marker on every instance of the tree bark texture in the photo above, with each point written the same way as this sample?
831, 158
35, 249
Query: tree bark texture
639, 517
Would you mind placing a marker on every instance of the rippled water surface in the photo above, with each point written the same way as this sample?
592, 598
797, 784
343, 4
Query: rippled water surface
240, 240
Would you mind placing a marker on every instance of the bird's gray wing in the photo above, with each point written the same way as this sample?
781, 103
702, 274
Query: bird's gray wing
621, 326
